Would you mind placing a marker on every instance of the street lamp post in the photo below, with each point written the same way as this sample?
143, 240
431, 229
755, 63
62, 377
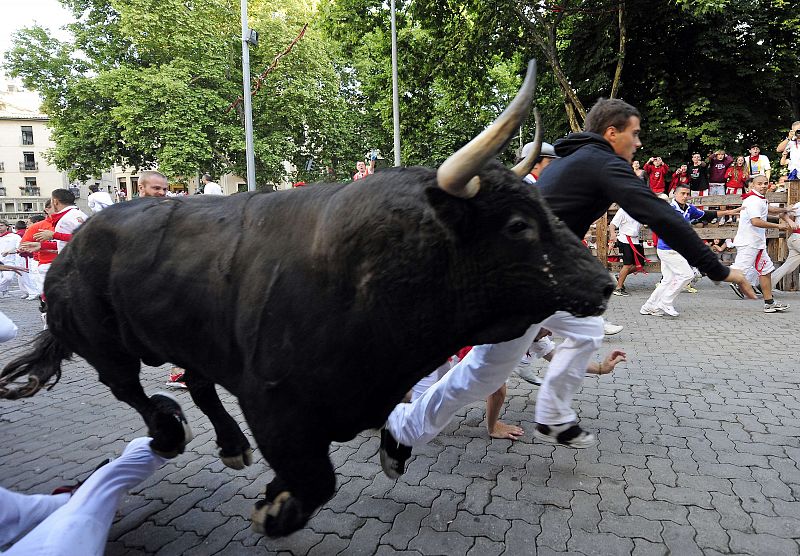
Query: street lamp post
248, 101
395, 94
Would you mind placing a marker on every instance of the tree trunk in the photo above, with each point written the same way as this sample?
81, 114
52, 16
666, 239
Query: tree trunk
621, 54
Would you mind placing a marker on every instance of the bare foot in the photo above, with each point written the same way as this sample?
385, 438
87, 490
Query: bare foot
501, 430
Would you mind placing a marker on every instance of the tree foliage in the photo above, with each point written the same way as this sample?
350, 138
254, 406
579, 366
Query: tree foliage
147, 82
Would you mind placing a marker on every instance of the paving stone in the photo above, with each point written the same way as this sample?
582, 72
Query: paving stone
340, 524
555, 528
198, 521
657, 510
429, 541
732, 515
149, 537
367, 538
630, 526
585, 515
486, 547
405, 527
680, 539
330, 544
487, 525
710, 535
443, 510
520, 539
600, 544
683, 496
762, 544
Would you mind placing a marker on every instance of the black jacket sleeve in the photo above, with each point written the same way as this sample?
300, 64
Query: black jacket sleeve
620, 184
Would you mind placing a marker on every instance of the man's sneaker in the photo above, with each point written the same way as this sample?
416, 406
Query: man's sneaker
393, 455
669, 310
611, 329
32, 297
775, 307
737, 291
168, 405
176, 378
621, 292
566, 434
757, 289
24, 296
529, 375
689, 288
70, 489
647, 310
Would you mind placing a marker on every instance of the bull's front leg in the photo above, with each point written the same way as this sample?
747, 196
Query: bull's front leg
234, 449
304, 477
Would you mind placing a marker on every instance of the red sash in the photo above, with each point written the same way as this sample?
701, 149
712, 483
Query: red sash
638, 258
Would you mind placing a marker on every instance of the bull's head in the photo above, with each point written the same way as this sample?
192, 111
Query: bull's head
504, 226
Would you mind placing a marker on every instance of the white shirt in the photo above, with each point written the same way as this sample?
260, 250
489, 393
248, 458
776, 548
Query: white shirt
100, 200
793, 148
67, 224
9, 242
755, 206
626, 226
796, 210
759, 168
212, 188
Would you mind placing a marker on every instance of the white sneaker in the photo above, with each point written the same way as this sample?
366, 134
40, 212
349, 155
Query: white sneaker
566, 434
529, 375
611, 329
647, 310
668, 310
31, 297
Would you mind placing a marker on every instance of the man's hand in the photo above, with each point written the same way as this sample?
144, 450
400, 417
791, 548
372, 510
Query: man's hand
736, 277
15, 269
30, 246
43, 235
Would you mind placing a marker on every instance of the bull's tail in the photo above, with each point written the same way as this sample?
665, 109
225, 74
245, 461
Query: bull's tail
40, 364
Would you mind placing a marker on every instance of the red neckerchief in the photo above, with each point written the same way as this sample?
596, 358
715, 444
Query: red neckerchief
54, 218
5, 234
752, 194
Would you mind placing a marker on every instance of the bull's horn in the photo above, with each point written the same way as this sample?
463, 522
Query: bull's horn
525, 165
458, 175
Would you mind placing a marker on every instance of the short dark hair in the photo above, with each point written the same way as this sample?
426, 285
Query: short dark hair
683, 186
207, 177
20, 225
93, 188
48, 203
64, 196
609, 112
37, 218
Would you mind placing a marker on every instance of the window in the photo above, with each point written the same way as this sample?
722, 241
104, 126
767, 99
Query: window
122, 183
2, 188
29, 162
30, 189
134, 182
27, 135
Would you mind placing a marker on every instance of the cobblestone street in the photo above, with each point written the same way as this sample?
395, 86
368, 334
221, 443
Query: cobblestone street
699, 444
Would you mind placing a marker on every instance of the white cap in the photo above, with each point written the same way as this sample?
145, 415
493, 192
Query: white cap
547, 150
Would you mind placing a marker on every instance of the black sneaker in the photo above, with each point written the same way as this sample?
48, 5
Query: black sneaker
168, 405
758, 290
737, 291
621, 292
393, 455
566, 434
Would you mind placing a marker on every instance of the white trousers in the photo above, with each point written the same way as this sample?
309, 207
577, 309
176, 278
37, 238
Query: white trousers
26, 280
6, 279
38, 277
485, 369
77, 524
675, 274
791, 262
8, 331
426, 382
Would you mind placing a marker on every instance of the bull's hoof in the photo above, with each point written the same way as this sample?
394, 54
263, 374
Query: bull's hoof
238, 462
29, 389
284, 515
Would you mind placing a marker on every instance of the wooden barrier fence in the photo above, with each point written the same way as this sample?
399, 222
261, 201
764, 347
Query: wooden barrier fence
776, 240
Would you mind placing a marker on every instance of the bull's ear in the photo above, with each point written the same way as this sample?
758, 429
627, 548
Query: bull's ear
455, 213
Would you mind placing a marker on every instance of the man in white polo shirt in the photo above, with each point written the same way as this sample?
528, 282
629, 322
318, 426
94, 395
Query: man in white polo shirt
751, 239
211, 187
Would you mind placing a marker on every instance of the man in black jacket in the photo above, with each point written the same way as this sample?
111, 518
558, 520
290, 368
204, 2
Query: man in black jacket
594, 171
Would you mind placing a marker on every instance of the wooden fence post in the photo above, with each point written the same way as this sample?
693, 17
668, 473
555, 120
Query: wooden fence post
791, 282
601, 239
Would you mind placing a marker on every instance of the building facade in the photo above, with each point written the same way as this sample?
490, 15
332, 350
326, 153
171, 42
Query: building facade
26, 178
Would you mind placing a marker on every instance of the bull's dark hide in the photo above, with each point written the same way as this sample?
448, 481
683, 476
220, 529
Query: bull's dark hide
318, 307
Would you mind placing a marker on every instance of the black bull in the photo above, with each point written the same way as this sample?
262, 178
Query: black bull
318, 308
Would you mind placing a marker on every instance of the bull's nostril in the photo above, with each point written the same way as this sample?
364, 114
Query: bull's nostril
608, 290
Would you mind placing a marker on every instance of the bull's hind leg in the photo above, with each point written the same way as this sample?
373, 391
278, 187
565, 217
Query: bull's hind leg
169, 432
304, 478
234, 449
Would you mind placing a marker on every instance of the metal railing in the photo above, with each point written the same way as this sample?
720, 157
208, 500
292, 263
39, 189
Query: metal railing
29, 166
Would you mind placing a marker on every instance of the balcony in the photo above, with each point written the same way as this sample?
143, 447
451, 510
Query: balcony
2, 166
28, 166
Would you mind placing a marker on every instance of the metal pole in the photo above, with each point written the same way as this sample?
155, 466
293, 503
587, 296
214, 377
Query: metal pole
248, 102
395, 93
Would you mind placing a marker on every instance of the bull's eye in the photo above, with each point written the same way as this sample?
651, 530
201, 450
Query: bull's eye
518, 227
